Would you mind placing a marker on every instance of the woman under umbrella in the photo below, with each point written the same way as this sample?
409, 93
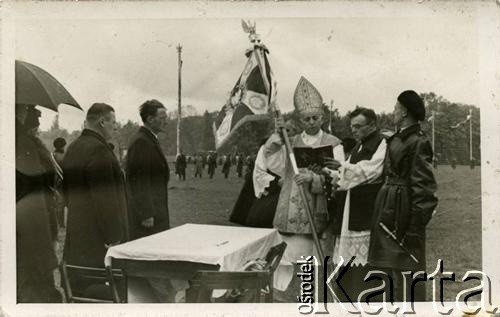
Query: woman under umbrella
36, 227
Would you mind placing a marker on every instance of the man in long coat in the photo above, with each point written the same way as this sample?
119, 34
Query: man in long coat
180, 166
406, 201
226, 165
212, 164
148, 173
95, 191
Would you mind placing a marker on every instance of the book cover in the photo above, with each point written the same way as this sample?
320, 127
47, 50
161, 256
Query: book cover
306, 156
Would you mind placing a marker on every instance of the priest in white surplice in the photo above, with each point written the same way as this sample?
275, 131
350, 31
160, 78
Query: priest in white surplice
291, 218
360, 176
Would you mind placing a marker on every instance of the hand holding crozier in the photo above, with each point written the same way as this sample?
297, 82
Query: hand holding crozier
333, 175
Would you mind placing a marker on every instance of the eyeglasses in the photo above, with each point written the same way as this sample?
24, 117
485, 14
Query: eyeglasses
358, 126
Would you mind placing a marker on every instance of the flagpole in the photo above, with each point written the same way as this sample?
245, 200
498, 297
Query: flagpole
330, 122
470, 135
179, 51
255, 40
433, 136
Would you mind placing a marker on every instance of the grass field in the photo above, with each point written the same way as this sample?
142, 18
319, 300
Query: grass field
453, 235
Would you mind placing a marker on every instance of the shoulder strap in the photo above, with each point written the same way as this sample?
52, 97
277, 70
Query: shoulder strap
57, 167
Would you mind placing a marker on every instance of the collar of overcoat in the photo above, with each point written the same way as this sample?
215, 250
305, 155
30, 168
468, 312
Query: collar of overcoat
88, 132
149, 133
153, 139
404, 134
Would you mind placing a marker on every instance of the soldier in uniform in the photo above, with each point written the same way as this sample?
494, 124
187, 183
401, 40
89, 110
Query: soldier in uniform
212, 164
226, 165
406, 201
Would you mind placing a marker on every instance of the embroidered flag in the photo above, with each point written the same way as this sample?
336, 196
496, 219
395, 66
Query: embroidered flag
250, 98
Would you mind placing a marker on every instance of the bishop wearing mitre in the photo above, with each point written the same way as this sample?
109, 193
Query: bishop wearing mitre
291, 218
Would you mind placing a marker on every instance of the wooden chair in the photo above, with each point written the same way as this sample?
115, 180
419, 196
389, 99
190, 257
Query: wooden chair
206, 281
273, 259
93, 285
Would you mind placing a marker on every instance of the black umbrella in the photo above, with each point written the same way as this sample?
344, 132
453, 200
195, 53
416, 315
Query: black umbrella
35, 86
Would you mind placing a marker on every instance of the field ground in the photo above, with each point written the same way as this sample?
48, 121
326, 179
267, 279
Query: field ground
453, 235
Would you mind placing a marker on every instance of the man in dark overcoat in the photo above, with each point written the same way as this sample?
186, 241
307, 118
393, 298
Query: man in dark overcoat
181, 165
95, 192
226, 165
212, 164
148, 173
406, 201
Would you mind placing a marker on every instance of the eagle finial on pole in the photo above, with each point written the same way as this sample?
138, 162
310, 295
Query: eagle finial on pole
251, 29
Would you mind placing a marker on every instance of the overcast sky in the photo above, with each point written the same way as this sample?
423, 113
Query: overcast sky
354, 61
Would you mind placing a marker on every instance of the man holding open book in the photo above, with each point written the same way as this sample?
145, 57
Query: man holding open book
291, 219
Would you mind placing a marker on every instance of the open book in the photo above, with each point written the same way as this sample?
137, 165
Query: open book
306, 156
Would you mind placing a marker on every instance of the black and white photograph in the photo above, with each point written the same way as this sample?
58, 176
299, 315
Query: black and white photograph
249, 158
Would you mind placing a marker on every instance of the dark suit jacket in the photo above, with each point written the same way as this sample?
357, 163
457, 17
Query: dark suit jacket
97, 204
147, 179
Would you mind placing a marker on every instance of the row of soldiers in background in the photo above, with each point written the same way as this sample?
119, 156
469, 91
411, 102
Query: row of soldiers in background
364, 204
211, 160
199, 162
228, 160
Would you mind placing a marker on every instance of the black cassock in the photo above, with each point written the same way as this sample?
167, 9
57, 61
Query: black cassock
251, 211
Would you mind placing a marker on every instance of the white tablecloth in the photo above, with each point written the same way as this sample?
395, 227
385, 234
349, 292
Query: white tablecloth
226, 246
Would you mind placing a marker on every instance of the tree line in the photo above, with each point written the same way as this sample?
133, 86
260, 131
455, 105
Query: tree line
197, 134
